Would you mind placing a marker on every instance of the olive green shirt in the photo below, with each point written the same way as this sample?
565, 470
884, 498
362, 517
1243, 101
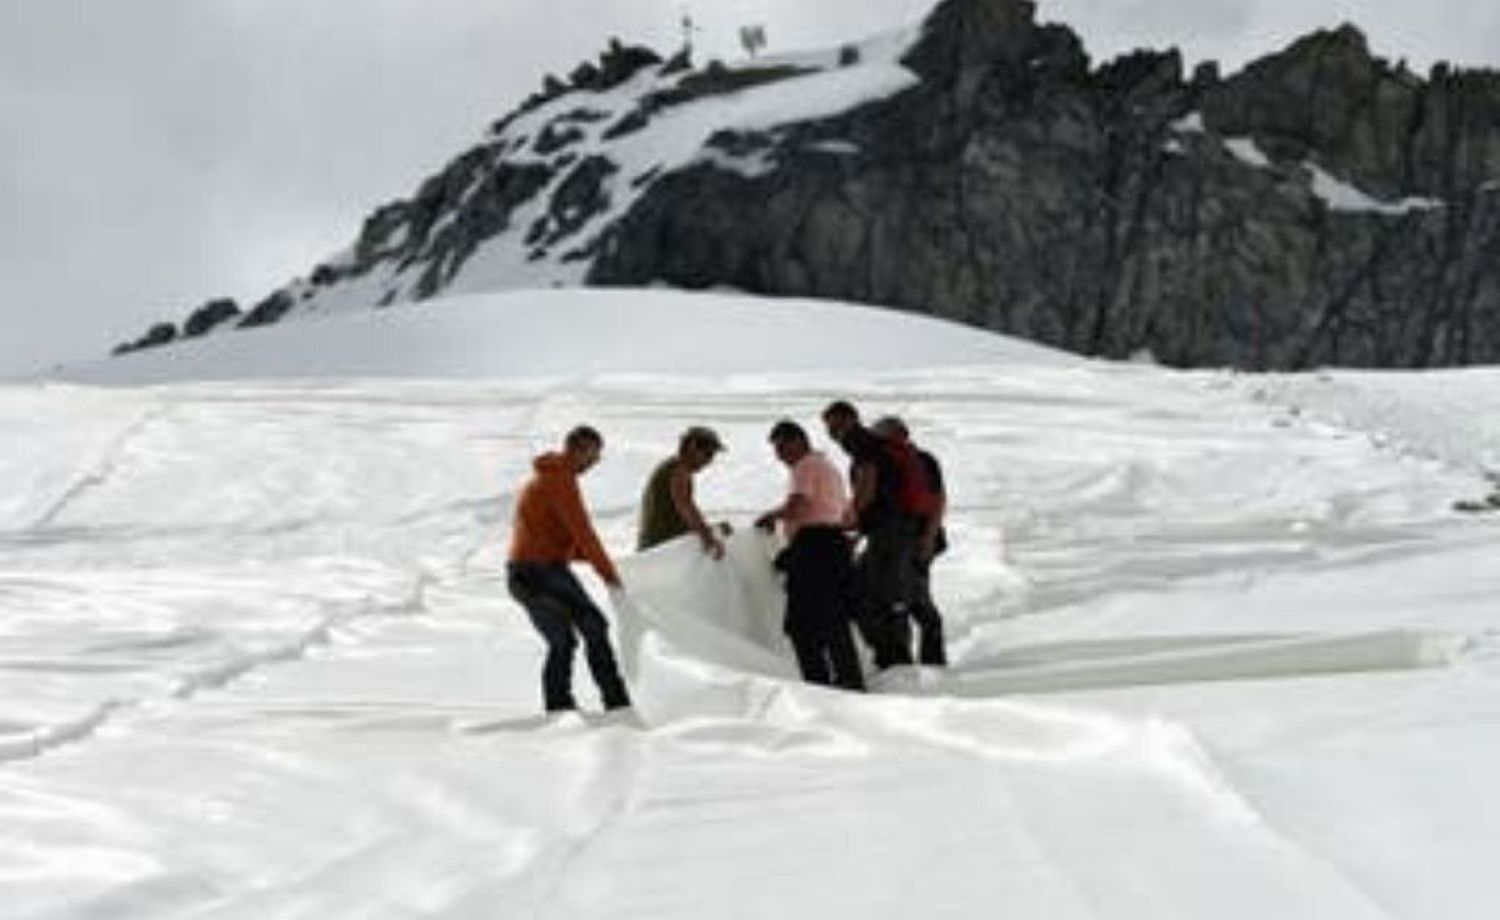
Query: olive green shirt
660, 520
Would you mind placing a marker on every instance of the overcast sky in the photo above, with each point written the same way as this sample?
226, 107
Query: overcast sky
157, 153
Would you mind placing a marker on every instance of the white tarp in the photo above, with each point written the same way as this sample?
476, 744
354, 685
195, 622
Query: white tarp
1076, 794
725, 616
258, 659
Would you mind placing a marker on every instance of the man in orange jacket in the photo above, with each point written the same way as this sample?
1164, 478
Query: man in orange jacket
551, 530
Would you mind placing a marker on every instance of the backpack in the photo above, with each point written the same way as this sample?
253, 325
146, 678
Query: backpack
913, 491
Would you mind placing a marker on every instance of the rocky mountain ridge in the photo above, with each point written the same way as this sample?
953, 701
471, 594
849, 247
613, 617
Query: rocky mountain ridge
1321, 206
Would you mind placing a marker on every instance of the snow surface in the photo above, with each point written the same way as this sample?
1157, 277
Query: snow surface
1221, 647
1191, 123
1247, 151
1341, 196
1337, 194
567, 332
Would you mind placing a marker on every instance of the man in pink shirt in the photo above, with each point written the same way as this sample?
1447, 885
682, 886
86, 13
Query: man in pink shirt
818, 562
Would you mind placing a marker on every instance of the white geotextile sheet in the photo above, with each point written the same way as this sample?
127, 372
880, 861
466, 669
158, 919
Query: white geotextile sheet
1063, 802
725, 614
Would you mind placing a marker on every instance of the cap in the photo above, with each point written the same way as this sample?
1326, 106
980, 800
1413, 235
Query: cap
701, 436
890, 427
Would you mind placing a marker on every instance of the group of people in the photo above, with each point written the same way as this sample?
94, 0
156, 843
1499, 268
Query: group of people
863, 556
858, 551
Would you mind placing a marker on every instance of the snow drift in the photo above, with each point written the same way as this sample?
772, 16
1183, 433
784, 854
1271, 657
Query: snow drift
575, 332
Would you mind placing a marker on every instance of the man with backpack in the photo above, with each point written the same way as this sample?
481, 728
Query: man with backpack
928, 508
885, 567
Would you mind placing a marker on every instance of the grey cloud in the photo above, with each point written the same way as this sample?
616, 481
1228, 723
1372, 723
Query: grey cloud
161, 153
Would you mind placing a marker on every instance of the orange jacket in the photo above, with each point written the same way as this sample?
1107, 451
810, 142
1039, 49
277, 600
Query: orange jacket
550, 523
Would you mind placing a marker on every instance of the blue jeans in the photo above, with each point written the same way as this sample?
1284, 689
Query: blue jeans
562, 611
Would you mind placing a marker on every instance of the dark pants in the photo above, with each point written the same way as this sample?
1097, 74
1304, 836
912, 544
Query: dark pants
559, 608
930, 648
884, 590
818, 573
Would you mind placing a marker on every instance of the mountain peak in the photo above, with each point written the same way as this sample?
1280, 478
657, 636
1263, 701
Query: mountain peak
1320, 206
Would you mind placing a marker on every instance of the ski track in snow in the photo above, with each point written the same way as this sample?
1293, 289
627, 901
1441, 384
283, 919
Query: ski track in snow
1101, 514
215, 677
99, 472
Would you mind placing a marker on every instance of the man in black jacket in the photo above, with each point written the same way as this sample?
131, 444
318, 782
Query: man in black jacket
884, 569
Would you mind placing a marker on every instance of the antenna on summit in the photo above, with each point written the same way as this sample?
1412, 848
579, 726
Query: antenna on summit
689, 29
752, 39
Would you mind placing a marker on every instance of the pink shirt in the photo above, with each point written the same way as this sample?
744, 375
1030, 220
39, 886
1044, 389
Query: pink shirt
818, 481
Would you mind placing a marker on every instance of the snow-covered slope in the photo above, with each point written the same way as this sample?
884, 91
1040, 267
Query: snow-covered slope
1221, 646
577, 332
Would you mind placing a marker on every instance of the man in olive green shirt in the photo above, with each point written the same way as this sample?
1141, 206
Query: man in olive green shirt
667, 507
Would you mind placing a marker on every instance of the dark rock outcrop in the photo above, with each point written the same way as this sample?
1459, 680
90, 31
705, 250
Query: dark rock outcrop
1102, 210
617, 64
158, 335
212, 314
578, 198
199, 322
269, 310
